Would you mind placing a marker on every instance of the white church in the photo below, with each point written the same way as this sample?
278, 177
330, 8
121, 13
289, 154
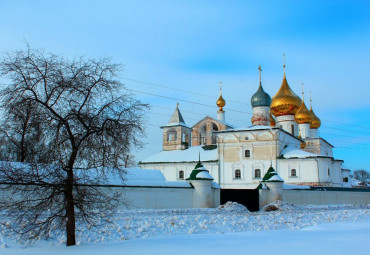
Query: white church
284, 135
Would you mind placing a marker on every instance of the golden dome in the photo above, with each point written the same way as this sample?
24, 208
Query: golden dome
285, 101
272, 121
316, 122
303, 115
221, 103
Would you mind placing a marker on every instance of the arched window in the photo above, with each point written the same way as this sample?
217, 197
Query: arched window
183, 137
203, 136
171, 135
181, 175
215, 128
257, 173
247, 153
237, 174
293, 172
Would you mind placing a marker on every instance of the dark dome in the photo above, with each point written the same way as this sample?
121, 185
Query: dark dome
260, 98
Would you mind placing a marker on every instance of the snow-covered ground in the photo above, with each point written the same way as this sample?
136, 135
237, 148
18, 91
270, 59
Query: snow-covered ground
232, 229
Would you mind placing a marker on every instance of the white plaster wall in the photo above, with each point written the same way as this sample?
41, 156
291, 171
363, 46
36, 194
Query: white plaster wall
156, 198
171, 170
306, 170
301, 197
285, 123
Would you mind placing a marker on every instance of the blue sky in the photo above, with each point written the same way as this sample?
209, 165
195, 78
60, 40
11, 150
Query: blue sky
192, 45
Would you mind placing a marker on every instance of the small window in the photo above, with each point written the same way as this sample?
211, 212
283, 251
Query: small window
257, 173
345, 179
329, 171
246, 138
247, 153
292, 128
293, 172
237, 174
181, 175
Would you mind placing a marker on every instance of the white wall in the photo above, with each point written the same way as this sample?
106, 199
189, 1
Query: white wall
314, 197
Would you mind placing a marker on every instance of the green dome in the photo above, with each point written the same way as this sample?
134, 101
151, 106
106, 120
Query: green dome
260, 98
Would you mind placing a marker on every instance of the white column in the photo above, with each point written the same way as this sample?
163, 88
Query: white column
261, 116
304, 130
202, 194
221, 116
313, 133
286, 122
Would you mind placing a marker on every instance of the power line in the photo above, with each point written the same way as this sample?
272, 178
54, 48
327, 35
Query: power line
182, 90
186, 101
200, 94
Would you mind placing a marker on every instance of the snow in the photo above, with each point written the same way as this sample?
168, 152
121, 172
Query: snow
204, 175
133, 226
303, 230
275, 178
291, 186
251, 128
189, 155
293, 152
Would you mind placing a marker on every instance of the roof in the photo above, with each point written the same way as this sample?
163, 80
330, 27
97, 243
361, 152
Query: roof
319, 138
260, 98
293, 152
176, 119
189, 155
228, 126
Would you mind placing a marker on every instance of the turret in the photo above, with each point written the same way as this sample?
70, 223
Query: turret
260, 102
221, 104
176, 134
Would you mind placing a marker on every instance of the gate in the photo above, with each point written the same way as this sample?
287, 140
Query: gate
247, 197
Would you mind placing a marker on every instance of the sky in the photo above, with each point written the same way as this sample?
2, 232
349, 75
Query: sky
178, 51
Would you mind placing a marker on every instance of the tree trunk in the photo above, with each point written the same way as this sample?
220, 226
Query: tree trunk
70, 210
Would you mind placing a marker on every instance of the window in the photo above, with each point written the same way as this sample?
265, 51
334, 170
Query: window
257, 173
246, 138
345, 179
292, 128
293, 172
237, 174
328, 171
181, 175
247, 153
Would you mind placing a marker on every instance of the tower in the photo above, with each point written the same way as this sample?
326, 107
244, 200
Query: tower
221, 104
176, 134
284, 105
304, 118
261, 102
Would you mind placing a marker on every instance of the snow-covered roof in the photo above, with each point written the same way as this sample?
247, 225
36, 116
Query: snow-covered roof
291, 186
151, 178
204, 175
176, 119
275, 178
250, 128
293, 152
189, 155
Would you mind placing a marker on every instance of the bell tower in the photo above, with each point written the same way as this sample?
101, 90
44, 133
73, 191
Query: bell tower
176, 134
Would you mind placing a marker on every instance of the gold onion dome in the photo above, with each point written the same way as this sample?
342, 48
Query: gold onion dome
316, 122
303, 115
221, 101
285, 101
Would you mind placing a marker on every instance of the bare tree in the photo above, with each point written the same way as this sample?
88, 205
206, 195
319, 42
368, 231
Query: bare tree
361, 175
88, 124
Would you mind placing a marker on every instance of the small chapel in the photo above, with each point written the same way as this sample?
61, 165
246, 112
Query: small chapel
283, 135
